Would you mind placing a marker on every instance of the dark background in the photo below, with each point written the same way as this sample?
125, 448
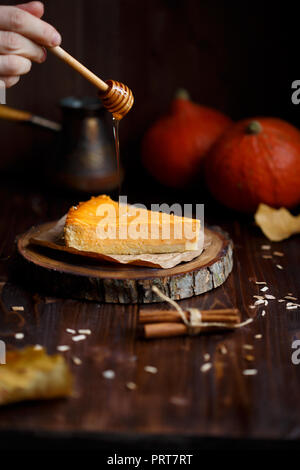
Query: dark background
240, 57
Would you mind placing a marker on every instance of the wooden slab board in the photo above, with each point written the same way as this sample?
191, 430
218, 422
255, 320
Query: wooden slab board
68, 275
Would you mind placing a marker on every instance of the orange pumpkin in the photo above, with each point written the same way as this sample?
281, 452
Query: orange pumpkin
175, 145
256, 160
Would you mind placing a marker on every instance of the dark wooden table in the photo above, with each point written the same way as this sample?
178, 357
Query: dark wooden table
179, 407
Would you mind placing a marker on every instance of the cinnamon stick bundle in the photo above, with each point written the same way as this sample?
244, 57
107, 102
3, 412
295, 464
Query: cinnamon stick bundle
167, 323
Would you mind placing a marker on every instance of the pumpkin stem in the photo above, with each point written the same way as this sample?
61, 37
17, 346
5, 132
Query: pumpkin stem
182, 94
254, 127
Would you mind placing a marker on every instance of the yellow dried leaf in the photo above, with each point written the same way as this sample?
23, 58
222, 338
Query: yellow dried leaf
31, 374
276, 224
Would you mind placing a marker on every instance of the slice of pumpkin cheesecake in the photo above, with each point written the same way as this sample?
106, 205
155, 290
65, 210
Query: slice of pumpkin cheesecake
104, 226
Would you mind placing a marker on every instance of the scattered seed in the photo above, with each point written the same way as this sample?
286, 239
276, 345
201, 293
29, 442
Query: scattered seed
278, 253
206, 357
249, 357
250, 372
223, 349
251, 306
70, 330
84, 332
279, 266
263, 289
63, 348
290, 297
108, 374
131, 385
281, 300
270, 297
78, 338
77, 361
292, 306
178, 401
248, 346
206, 367
290, 293
258, 336
17, 308
38, 347
259, 297
19, 335
266, 247
263, 313
267, 256
259, 302
260, 282
151, 369
266, 303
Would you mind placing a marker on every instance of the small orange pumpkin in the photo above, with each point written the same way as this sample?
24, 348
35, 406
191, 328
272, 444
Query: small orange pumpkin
256, 160
174, 146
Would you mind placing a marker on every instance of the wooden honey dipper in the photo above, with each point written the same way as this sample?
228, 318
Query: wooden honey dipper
116, 97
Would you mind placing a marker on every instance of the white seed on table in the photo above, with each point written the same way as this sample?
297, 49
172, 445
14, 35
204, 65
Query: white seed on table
108, 374
206, 367
263, 313
78, 338
63, 348
263, 289
266, 247
260, 282
278, 253
250, 372
258, 336
19, 335
18, 308
247, 346
270, 297
279, 266
84, 332
206, 357
71, 331
151, 369
131, 386
37, 347
77, 361
259, 302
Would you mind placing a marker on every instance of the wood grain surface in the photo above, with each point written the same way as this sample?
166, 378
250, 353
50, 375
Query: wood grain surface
66, 274
180, 399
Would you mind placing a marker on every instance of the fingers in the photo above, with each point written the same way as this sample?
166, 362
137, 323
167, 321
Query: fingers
35, 8
14, 65
14, 43
20, 21
9, 81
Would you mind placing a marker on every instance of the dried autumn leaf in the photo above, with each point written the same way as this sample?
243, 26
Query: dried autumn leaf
31, 374
276, 224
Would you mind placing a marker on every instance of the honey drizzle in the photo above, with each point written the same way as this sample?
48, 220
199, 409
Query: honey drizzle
117, 150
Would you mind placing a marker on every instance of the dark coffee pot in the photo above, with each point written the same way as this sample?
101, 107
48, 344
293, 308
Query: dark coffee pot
85, 152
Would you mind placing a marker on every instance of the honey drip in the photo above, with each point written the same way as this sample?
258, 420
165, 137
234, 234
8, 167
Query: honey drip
116, 123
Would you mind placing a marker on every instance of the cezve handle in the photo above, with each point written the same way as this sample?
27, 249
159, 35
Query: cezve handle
12, 114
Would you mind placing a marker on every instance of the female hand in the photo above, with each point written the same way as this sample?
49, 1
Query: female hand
22, 37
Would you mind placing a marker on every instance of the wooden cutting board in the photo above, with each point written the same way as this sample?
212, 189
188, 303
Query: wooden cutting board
63, 274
